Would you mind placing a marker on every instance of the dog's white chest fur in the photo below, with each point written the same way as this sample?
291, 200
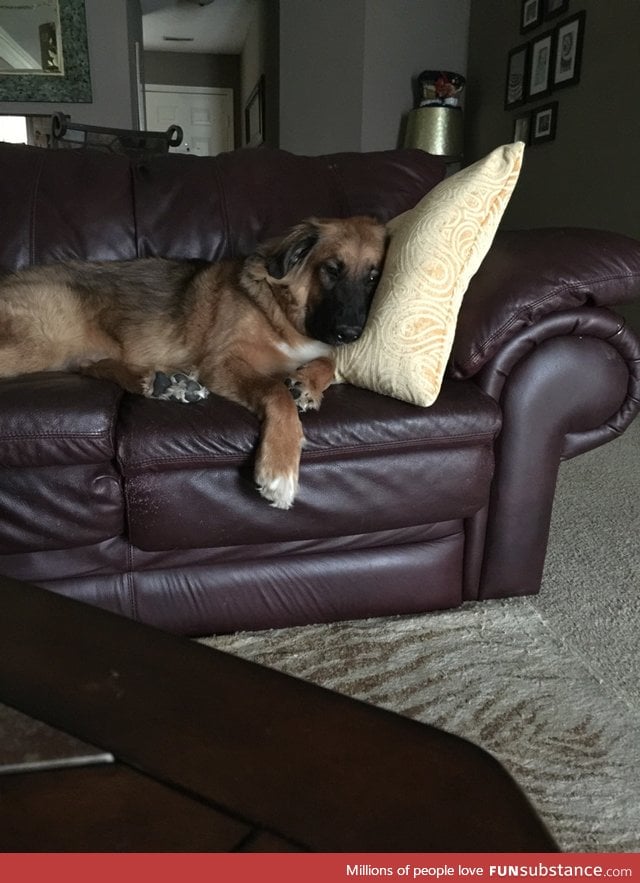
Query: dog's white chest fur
305, 352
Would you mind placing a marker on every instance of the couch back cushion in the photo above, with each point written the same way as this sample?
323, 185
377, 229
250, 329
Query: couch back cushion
66, 204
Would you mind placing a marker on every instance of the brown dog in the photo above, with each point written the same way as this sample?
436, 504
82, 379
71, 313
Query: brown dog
245, 330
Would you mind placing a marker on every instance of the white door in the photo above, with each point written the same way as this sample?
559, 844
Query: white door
204, 114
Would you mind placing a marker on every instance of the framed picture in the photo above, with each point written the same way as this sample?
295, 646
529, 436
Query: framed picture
522, 128
540, 66
254, 116
569, 38
530, 15
544, 121
517, 73
50, 57
555, 7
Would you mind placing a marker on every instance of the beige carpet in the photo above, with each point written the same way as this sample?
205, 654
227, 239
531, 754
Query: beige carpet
550, 685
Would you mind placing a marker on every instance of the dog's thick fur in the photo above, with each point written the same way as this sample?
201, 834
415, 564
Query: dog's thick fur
244, 329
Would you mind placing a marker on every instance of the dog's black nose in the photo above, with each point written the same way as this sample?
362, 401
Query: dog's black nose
348, 333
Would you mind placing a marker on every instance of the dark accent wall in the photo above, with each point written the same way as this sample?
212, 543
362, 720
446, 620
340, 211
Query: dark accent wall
587, 175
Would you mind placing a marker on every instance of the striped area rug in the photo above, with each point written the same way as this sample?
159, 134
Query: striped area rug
494, 674
549, 685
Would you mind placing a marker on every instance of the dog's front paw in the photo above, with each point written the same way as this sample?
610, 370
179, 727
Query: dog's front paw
177, 387
304, 398
279, 490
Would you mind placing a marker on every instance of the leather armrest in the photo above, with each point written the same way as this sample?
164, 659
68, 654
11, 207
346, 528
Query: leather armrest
528, 274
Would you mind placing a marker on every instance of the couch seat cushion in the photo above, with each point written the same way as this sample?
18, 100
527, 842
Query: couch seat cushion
370, 463
59, 486
57, 419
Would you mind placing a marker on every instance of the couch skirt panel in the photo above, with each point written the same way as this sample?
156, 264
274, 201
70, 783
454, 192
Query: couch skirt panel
201, 592
301, 589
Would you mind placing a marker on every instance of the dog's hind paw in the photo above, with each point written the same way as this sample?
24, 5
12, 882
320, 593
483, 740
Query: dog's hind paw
177, 387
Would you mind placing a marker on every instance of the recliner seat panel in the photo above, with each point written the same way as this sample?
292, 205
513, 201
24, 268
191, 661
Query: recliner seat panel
191, 489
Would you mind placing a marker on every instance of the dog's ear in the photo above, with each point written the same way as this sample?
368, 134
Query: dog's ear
291, 250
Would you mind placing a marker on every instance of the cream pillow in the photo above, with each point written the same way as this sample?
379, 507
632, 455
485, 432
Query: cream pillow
434, 250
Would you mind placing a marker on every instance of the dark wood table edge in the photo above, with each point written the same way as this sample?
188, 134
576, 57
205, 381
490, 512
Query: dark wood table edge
218, 728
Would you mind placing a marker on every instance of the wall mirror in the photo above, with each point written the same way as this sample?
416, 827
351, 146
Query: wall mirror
43, 51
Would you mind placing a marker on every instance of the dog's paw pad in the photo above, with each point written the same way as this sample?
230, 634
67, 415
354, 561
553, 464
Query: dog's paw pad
159, 385
178, 387
301, 395
293, 386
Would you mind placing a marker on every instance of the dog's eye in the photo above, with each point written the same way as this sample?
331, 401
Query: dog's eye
333, 269
374, 275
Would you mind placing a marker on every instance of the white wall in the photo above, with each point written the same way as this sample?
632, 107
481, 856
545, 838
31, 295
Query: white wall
346, 67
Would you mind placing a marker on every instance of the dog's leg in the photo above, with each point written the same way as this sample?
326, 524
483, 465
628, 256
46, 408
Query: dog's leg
175, 387
132, 378
308, 383
277, 460
13, 362
278, 456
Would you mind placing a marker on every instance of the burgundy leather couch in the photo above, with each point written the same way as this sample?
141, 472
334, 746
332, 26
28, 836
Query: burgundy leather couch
147, 507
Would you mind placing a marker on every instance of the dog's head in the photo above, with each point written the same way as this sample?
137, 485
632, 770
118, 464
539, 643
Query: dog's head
324, 274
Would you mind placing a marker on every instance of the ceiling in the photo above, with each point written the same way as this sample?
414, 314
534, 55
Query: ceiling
216, 26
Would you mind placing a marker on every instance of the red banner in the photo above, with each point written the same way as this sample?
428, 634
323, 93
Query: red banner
313, 867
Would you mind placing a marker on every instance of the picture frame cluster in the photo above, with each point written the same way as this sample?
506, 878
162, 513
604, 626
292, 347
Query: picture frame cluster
548, 61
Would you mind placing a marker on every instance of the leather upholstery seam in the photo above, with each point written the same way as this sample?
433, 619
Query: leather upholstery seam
34, 198
479, 356
130, 582
229, 247
339, 189
435, 442
134, 204
55, 435
466, 440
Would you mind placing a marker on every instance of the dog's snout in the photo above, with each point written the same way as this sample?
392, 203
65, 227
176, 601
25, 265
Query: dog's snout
348, 333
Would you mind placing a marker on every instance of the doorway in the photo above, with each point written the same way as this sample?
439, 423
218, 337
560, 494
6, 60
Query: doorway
205, 115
